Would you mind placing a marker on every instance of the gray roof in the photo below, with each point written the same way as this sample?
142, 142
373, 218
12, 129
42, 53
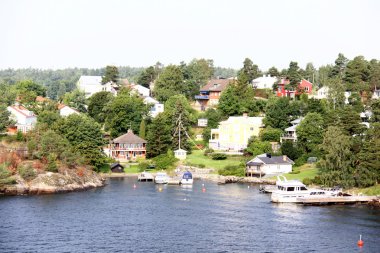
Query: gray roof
276, 160
129, 138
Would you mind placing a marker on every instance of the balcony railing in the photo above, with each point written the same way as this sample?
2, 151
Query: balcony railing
205, 97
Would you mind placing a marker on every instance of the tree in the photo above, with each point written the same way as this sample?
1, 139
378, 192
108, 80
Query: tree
76, 99
374, 78
159, 136
336, 93
357, 74
48, 117
142, 129
375, 111
339, 68
249, 71
5, 119
124, 112
170, 83
197, 73
86, 137
291, 150
30, 86
293, 74
310, 132
349, 121
147, 76
213, 118
271, 134
111, 75
310, 72
273, 71
229, 102
278, 113
256, 147
97, 104
336, 165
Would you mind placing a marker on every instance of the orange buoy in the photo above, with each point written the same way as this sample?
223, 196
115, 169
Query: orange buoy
203, 189
360, 242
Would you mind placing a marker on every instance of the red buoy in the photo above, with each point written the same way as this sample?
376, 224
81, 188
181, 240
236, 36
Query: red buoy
203, 189
360, 242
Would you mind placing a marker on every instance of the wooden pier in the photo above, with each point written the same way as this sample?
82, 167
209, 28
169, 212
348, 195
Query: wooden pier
174, 181
340, 200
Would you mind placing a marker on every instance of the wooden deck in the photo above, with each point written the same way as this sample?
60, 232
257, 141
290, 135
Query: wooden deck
343, 200
174, 181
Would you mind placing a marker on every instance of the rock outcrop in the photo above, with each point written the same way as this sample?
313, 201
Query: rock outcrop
49, 183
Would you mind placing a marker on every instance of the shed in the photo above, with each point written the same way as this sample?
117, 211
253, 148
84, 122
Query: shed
117, 168
180, 154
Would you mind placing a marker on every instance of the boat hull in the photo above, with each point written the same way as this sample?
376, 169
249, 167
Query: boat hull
186, 181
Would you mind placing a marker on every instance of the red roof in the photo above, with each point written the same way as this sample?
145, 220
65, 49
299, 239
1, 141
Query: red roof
216, 85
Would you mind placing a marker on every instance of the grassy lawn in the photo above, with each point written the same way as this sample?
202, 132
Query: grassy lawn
197, 157
306, 170
370, 191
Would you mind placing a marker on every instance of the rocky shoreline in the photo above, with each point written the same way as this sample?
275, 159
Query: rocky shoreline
51, 183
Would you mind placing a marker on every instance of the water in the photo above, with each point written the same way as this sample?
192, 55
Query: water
226, 218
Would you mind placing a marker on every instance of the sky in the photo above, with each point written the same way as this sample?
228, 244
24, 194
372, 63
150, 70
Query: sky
95, 33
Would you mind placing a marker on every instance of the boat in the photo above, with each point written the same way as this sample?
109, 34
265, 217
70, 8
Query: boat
267, 188
187, 178
161, 178
292, 191
145, 177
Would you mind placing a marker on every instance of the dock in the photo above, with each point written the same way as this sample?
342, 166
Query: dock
340, 200
174, 181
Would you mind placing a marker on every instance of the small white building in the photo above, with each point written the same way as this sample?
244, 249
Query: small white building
376, 94
264, 82
65, 110
156, 108
267, 164
180, 154
93, 84
202, 122
291, 132
25, 119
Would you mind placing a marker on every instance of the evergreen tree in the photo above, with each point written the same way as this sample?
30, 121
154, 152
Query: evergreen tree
273, 71
170, 83
339, 68
147, 76
142, 129
249, 71
5, 119
111, 75
97, 104
229, 102
293, 74
310, 132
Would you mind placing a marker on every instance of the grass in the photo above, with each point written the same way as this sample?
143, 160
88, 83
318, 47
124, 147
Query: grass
306, 170
197, 157
370, 191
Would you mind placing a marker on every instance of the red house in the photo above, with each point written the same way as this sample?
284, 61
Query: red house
303, 87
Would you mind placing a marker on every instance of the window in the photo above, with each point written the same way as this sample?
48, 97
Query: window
303, 188
290, 189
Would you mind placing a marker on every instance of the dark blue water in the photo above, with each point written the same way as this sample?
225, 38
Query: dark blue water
227, 218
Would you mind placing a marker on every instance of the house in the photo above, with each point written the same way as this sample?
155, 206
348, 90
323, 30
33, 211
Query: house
233, 134
264, 82
323, 93
140, 90
25, 119
128, 147
93, 84
290, 132
65, 110
202, 122
210, 93
303, 87
180, 154
156, 108
117, 168
267, 164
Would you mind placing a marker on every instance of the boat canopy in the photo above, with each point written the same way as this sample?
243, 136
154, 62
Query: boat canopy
187, 175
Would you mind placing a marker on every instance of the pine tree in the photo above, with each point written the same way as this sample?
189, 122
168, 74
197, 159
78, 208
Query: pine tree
142, 129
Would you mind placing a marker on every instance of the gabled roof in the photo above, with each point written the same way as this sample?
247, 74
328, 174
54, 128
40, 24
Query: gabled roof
216, 85
129, 138
61, 106
264, 158
22, 110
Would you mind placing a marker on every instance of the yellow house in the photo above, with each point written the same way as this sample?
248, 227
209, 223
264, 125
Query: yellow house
233, 134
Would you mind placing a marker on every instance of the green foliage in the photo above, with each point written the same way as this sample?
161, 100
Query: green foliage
28, 90
159, 136
20, 136
144, 165
213, 118
52, 163
271, 134
124, 112
232, 170
290, 149
142, 129
307, 181
278, 113
218, 156
170, 83
310, 132
208, 151
165, 161
97, 104
196, 74
249, 71
5, 174
76, 99
229, 102
111, 75
27, 172
339, 68
5, 119
48, 117
273, 71
256, 147
357, 74
294, 75
147, 76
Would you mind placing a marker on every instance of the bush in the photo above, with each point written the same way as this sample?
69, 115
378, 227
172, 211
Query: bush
27, 172
51, 163
105, 168
219, 156
208, 151
144, 165
164, 161
232, 170
307, 181
5, 175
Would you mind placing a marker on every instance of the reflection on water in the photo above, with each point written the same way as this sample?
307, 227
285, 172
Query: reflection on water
131, 216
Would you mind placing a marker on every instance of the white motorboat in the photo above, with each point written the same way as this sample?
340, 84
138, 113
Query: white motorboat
161, 178
289, 191
145, 177
187, 178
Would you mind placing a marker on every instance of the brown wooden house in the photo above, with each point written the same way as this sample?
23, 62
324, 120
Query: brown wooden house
128, 147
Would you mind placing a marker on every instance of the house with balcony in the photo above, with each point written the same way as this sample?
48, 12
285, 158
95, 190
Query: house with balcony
304, 87
25, 119
290, 132
233, 133
128, 147
210, 93
267, 164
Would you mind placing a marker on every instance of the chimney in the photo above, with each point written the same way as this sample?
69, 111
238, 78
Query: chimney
284, 158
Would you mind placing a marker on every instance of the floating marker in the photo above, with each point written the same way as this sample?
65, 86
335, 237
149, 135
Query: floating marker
134, 186
203, 189
160, 189
360, 242
248, 186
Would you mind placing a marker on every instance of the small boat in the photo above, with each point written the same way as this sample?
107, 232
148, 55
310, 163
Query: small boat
145, 177
267, 188
293, 190
187, 178
161, 178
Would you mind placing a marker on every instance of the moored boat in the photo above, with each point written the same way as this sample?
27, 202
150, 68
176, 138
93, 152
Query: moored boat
161, 178
187, 178
145, 177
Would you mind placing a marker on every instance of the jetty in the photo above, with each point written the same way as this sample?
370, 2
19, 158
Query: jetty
336, 200
174, 181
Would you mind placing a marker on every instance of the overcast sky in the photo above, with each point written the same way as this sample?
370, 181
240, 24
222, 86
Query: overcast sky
95, 33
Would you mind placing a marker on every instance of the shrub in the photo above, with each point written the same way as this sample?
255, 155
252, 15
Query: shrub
51, 163
104, 168
5, 175
307, 181
27, 172
219, 156
232, 170
164, 161
143, 166
208, 151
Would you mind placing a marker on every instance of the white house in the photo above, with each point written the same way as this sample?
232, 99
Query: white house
264, 82
290, 132
65, 110
25, 119
323, 93
140, 90
376, 94
93, 84
156, 108
180, 154
268, 164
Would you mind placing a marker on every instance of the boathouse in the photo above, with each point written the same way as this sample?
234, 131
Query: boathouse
128, 147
